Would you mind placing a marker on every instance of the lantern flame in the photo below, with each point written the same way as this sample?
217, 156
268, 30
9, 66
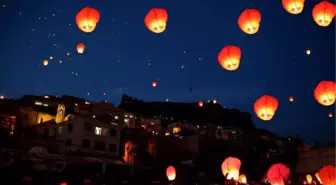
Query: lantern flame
309, 178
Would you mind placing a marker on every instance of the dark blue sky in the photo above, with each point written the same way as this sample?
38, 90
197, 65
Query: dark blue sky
121, 48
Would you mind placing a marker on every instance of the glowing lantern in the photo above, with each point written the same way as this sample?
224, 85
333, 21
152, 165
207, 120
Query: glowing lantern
249, 21
325, 93
323, 13
229, 57
231, 167
291, 98
265, 107
278, 174
318, 177
308, 51
80, 48
200, 103
87, 19
45, 62
330, 115
156, 20
309, 178
328, 175
171, 173
293, 6
154, 84
242, 179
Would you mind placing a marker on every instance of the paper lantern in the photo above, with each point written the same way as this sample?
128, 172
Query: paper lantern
308, 51
200, 103
249, 21
293, 6
309, 178
242, 179
325, 93
265, 107
80, 48
323, 13
330, 114
318, 177
278, 174
328, 175
291, 98
171, 173
230, 168
229, 57
156, 20
87, 19
154, 84
45, 62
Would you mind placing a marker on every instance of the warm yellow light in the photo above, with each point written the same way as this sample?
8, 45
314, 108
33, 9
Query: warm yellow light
308, 51
45, 62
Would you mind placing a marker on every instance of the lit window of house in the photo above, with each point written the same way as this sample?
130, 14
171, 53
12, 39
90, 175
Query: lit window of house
126, 115
131, 116
116, 117
98, 131
38, 103
60, 130
126, 120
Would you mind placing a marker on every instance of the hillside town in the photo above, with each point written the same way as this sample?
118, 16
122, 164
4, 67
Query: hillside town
82, 140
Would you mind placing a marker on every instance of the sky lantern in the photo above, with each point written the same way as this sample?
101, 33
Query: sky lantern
265, 107
318, 177
249, 21
80, 48
293, 6
328, 175
154, 84
229, 57
325, 93
200, 103
242, 179
330, 114
171, 173
231, 167
277, 174
309, 178
156, 20
87, 19
291, 98
308, 51
45, 62
323, 13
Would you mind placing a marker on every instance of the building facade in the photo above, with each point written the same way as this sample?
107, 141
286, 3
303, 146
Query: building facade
85, 135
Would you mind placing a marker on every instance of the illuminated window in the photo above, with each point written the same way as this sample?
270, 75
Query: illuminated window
38, 103
116, 117
126, 120
60, 130
98, 131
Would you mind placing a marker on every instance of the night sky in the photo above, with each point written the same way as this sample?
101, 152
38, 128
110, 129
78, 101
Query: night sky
123, 56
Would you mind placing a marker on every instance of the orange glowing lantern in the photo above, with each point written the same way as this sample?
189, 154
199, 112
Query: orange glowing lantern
249, 21
265, 107
325, 93
242, 179
171, 173
87, 19
229, 57
323, 13
156, 20
330, 114
200, 103
291, 98
318, 177
328, 175
278, 174
309, 178
154, 84
45, 62
293, 6
80, 48
231, 167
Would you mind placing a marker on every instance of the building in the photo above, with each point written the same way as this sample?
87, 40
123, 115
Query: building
84, 135
311, 161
